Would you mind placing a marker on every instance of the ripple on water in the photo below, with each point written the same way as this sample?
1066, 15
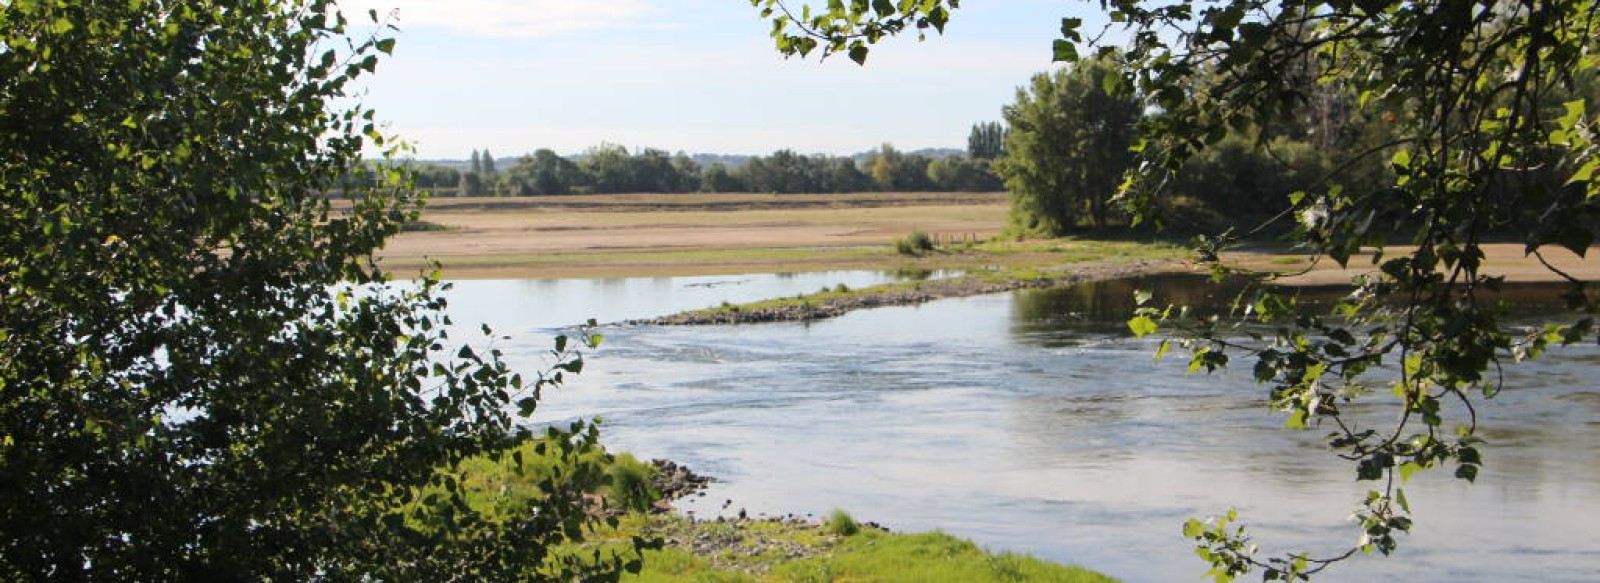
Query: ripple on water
990, 418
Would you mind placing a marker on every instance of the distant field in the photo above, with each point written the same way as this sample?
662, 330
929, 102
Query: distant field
703, 234
662, 234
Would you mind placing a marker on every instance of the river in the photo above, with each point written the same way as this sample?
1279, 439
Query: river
1033, 422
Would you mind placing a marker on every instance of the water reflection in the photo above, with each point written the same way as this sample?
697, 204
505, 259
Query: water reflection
1032, 422
546, 304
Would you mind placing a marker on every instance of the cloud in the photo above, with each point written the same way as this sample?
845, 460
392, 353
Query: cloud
512, 18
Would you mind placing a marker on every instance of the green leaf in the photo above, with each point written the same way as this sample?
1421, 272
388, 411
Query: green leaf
1586, 172
1142, 326
1401, 160
1064, 51
1408, 468
858, 53
1296, 420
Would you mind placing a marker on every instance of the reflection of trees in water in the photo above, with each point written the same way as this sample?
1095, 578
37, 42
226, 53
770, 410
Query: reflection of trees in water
1541, 443
1062, 316
1067, 315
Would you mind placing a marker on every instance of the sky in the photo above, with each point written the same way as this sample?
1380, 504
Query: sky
698, 76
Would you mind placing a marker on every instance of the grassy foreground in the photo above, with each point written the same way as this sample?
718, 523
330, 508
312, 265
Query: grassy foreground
835, 549
798, 551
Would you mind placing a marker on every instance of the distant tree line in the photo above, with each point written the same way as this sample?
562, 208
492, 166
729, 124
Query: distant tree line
1068, 140
611, 168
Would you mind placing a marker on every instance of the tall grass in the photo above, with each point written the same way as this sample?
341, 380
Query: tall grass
841, 524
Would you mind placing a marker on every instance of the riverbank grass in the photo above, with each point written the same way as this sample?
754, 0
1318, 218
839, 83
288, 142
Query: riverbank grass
751, 551
627, 504
992, 267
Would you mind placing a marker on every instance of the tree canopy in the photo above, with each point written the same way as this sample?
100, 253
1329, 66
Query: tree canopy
1067, 148
1491, 134
203, 374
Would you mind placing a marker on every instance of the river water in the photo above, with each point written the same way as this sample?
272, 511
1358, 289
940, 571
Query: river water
1033, 422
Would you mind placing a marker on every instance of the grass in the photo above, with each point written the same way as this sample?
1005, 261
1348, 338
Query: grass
990, 262
932, 557
840, 523
838, 549
792, 551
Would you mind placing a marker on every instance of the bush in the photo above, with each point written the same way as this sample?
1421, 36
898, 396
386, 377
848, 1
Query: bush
630, 483
841, 524
915, 243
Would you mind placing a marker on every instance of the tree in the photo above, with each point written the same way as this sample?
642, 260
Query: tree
717, 178
1488, 139
205, 374
1067, 148
471, 184
609, 167
486, 164
686, 173
475, 163
987, 141
960, 173
545, 173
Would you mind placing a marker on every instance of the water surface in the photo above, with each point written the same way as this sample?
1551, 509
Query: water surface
1032, 422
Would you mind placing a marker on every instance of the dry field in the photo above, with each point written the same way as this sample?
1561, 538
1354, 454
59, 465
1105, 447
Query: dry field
688, 234
653, 234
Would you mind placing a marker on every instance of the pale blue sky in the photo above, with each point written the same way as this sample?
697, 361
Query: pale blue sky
691, 75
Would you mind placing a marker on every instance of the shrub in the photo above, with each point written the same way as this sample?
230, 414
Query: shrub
840, 523
915, 243
630, 483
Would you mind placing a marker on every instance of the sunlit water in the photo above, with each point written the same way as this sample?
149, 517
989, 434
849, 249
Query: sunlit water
1032, 422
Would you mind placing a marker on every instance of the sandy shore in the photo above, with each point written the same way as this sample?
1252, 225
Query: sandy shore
1500, 259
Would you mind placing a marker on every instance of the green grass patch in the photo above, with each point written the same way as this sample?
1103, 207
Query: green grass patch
992, 262
795, 551
837, 549
840, 523
932, 557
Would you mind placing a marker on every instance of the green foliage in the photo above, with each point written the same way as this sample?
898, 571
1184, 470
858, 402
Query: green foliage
1067, 148
629, 483
840, 523
987, 141
915, 243
1244, 183
486, 162
755, 550
1476, 117
961, 173
205, 376
927, 557
543, 173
